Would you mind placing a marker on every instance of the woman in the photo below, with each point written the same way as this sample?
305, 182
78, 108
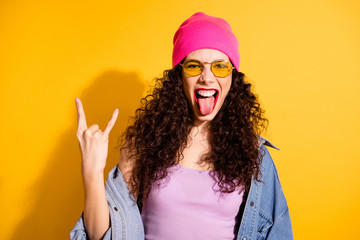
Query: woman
192, 165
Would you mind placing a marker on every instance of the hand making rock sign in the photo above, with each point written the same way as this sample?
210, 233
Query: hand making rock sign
94, 150
93, 141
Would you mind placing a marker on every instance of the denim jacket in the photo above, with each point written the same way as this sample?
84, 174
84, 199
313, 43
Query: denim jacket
265, 216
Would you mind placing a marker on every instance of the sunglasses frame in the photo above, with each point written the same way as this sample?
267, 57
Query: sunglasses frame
202, 66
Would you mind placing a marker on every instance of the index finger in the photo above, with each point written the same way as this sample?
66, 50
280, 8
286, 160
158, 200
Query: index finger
112, 121
81, 120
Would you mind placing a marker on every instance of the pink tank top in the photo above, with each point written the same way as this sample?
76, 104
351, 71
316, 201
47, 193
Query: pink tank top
187, 205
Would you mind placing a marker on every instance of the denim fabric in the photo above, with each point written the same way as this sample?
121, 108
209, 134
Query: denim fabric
266, 213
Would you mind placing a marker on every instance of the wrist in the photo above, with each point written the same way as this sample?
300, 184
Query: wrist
91, 177
92, 167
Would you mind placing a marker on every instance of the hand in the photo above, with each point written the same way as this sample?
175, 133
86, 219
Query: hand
93, 142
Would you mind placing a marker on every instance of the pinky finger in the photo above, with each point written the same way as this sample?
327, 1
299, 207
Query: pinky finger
112, 121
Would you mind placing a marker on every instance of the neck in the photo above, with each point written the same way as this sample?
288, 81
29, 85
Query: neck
201, 128
197, 147
200, 132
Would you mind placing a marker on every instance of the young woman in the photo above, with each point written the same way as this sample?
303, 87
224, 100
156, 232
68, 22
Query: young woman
193, 164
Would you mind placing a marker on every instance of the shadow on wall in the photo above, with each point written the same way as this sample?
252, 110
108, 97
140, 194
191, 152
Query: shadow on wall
59, 192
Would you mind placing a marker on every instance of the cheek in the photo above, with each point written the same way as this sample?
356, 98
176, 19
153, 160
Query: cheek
226, 85
187, 88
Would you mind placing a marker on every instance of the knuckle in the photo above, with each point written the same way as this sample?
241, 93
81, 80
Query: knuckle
87, 132
78, 134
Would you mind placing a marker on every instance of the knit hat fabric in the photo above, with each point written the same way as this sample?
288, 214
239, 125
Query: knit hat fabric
204, 31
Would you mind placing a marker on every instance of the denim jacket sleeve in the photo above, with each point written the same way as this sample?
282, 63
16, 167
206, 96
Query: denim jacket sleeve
266, 215
79, 233
125, 219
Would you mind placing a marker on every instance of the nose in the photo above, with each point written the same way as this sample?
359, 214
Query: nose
207, 75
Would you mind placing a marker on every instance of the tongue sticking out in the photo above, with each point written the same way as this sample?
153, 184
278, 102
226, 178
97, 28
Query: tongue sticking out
206, 104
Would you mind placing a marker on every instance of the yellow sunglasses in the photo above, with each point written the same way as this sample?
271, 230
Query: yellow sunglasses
219, 68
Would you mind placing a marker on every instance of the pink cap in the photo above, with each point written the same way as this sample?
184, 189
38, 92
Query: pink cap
204, 31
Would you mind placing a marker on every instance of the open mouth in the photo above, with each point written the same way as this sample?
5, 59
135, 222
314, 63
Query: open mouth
206, 99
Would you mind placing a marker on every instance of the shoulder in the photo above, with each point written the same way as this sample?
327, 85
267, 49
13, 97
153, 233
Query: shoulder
273, 202
126, 163
268, 168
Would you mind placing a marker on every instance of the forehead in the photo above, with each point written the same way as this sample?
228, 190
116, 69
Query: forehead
207, 55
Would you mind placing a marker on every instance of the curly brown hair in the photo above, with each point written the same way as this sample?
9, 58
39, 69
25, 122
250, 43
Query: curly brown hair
161, 127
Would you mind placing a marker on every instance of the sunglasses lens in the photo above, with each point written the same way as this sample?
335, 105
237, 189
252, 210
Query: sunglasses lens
193, 68
221, 69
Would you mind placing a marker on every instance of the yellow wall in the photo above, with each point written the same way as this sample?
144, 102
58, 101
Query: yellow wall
302, 56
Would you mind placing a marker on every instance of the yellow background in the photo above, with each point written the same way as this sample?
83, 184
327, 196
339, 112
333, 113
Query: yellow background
302, 57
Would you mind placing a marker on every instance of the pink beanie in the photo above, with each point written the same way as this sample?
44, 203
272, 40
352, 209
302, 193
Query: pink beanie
204, 31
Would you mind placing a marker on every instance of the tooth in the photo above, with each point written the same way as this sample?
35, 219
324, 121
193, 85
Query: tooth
206, 93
